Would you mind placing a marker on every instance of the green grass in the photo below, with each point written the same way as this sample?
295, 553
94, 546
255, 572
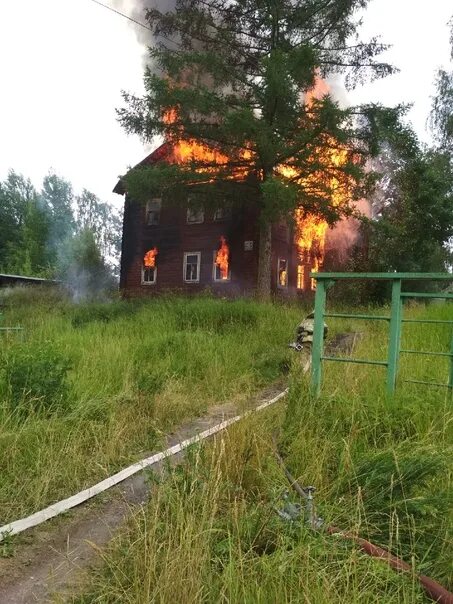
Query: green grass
138, 370
382, 468
210, 532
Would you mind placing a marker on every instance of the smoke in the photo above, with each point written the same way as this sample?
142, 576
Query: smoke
136, 10
341, 239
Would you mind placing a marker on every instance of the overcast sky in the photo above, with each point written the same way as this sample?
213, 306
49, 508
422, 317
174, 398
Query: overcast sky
63, 64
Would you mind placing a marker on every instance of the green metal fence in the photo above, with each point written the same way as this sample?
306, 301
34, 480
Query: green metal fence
7, 330
325, 280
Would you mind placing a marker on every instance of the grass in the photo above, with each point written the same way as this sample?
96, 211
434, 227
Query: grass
210, 531
137, 371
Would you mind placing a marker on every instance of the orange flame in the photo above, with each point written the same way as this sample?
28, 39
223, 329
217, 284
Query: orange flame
149, 260
222, 258
311, 230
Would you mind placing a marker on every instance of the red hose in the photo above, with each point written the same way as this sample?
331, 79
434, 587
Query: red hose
436, 592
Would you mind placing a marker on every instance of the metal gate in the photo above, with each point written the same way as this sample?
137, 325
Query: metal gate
325, 280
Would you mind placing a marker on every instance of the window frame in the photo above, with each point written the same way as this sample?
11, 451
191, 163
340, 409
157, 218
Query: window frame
302, 274
279, 285
148, 211
214, 267
145, 268
200, 210
226, 213
184, 267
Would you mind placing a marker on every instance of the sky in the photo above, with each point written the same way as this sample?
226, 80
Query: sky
63, 64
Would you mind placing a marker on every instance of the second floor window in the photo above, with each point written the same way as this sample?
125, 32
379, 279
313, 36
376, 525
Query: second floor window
192, 267
153, 208
222, 214
195, 215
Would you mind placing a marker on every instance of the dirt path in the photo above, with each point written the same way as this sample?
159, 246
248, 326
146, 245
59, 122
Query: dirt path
54, 557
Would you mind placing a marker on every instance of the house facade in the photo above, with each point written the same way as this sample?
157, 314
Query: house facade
169, 247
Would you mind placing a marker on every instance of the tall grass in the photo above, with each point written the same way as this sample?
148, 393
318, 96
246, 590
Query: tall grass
382, 467
138, 370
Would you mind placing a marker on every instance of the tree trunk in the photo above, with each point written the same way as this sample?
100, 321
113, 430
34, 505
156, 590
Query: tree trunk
263, 290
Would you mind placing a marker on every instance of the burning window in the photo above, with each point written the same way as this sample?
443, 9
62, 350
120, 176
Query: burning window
300, 276
195, 215
222, 214
149, 268
192, 267
221, 271
282, 273
153, 208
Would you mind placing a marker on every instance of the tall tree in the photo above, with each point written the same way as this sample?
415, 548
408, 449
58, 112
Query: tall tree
103, 220
236, 77
412, 207
58, 197
24, 226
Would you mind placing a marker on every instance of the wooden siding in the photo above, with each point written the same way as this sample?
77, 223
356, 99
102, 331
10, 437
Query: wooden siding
173, 237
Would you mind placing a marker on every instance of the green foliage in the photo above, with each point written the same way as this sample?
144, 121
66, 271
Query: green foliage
40, 236
35, 378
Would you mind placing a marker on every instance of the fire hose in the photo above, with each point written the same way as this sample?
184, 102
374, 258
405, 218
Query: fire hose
434, 590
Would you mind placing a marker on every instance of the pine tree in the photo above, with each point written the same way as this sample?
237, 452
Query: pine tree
236, 78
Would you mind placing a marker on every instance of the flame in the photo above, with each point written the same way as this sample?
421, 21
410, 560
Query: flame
188, 149
149, 260
311, 229
222, 258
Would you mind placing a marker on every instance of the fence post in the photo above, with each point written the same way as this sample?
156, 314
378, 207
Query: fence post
394, 336
318, 336
450, 377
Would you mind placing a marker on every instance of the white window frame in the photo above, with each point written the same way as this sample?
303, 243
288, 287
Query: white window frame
278, 273
144, 268
195, 212
157, 202
214, 270
184, 268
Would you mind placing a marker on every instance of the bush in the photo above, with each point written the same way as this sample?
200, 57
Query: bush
35, 378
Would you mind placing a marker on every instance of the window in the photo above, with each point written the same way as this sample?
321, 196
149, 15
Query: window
195, 215
300, 276
149, 275
222, 214
282, 273
221, 270
149, 267
153, 208
192, 267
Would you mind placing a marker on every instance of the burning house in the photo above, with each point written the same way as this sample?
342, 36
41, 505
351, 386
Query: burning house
171, 247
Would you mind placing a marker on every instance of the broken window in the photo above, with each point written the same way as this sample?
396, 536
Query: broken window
153, 208
195, 215
300, 276
221, 257
222, 214
149, 275
192, 267
282, 273
149, 267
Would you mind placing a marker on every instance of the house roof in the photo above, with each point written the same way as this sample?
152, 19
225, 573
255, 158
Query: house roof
158, 154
